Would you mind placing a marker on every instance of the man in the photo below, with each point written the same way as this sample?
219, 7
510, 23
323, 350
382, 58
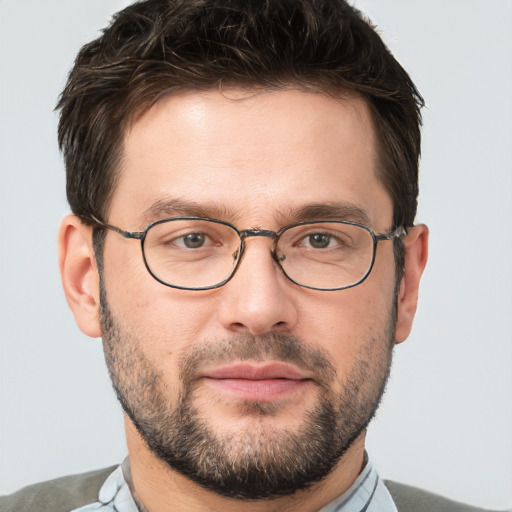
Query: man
264, 157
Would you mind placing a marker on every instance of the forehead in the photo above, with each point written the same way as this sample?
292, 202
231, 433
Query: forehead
252, 154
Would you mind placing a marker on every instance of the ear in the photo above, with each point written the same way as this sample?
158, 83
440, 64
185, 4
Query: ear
79, 274
416, 252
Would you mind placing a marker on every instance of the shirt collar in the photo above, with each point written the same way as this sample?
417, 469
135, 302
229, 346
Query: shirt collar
367, 494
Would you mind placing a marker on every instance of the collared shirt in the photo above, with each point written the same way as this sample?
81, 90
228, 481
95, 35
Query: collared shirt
367, 494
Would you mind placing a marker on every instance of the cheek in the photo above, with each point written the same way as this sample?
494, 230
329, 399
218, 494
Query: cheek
166, 327
162, 320
350, 324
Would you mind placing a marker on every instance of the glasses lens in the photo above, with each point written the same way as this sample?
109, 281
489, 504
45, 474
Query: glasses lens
326, 255
191, 253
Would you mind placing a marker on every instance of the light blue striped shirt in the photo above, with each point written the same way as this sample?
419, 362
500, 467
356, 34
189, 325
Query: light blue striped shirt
367, 494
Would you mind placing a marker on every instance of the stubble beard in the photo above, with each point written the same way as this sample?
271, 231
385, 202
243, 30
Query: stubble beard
259, 462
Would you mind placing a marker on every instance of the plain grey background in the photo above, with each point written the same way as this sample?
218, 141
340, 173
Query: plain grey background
446, 423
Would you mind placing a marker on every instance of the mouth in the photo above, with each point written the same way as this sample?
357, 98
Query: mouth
266, 382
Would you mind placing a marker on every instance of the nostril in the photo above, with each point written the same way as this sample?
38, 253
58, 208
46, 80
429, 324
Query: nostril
238, 327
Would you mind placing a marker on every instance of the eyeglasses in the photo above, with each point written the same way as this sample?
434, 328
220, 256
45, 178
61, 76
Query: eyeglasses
194, 253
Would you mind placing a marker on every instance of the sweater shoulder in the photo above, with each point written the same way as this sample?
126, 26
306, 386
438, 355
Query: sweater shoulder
59, 495
412, 499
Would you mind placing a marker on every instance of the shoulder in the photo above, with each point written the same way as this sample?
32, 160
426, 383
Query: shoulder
412, 499
59, 495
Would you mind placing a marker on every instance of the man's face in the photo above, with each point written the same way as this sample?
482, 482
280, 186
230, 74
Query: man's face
257, 388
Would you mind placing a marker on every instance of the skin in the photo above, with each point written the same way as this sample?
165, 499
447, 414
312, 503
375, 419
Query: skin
251, 158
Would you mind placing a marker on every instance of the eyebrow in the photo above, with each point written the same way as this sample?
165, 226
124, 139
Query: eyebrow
329, 211
177, 207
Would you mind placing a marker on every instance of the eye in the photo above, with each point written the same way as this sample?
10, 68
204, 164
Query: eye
319, 241
192, 240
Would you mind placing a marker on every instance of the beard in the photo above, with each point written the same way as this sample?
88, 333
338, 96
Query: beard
259, 461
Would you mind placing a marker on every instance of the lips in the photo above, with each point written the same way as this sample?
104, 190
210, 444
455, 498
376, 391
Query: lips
255, 372
265, 382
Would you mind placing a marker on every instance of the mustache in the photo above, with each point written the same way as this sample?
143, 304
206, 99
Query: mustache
279, 347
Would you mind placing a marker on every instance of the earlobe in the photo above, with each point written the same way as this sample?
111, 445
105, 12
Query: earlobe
416, 252
79, 274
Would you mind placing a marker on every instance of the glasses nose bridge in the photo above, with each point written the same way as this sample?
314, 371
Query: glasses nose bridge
267, 233
247, 233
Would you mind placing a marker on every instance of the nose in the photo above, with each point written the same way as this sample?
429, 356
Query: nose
258, 299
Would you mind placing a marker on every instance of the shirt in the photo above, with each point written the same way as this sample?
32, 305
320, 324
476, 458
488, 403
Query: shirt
367, 494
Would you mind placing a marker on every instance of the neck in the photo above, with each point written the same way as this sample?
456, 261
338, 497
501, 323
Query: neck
159, 488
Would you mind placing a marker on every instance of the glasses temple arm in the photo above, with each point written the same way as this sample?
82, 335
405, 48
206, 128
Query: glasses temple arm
138, 235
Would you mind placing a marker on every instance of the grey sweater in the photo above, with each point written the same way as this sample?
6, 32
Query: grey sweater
71, 492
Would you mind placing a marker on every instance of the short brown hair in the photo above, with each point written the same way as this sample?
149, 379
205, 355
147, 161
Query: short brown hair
154, 47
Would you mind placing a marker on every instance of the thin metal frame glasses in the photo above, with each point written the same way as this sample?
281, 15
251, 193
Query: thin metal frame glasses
195, 253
